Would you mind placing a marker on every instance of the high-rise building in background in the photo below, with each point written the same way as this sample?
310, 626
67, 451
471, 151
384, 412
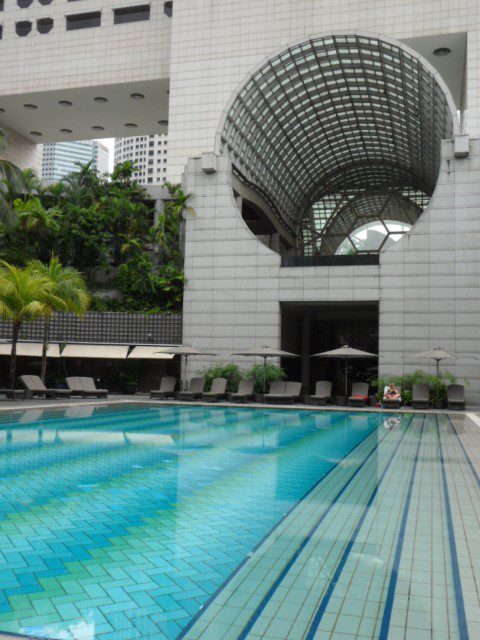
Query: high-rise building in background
149, 154
61, 158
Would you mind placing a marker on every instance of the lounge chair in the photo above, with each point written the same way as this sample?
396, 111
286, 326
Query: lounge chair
391, 402
323, 392
285, 392
35, 387
359, 397
85, 387
244, 393
420, 396
456, 396
167, 388
217, 392
195, 391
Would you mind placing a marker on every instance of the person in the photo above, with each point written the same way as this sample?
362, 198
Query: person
392, 392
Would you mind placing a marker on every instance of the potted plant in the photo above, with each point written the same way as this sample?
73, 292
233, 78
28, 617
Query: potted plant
129, 377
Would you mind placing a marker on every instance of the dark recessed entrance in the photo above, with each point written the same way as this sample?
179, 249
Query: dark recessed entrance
319, 326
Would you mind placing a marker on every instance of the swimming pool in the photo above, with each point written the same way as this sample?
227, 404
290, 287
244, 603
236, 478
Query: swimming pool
138, 521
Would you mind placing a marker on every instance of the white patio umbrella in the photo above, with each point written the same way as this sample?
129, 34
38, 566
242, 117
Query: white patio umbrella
438, 354
266, 352
185, 350
345, 353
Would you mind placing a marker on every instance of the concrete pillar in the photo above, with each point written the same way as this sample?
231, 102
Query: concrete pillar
306, 326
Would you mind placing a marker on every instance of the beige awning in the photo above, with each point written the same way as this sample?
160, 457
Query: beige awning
149, 353
104, 351
29, 349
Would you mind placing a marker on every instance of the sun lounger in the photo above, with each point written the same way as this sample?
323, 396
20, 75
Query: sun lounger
167, 388
85, 387
244, 393
323, 392
35, 387
456, 396
420, 396
195, 391
285, 392
218, 390
13, 394
391, 402
359, 397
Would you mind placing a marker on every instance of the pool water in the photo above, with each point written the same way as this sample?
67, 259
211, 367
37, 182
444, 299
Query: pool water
163, 522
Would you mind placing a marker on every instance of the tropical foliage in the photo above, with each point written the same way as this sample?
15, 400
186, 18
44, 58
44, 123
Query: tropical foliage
272, 373
103, 227
231, 372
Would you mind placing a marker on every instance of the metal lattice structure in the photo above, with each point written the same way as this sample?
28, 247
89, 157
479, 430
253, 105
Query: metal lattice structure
334, 117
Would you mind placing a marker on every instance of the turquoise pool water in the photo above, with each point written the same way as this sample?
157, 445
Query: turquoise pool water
153, 522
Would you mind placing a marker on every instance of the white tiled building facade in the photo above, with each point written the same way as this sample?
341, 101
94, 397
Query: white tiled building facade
61, 158
149, 154
189, 68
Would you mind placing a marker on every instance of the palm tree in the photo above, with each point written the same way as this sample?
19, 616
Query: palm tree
70, 294
24, 295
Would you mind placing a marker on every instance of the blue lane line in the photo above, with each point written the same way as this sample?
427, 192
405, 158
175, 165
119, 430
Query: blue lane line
457, 583
261, 606
333, 582
474, 471
387, 612
186, 629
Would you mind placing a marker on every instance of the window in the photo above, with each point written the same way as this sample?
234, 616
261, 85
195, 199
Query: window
1, 5
1, 32
23, 4
131, 14
44, 2
168, 8
84, 20
23, 28
44, 25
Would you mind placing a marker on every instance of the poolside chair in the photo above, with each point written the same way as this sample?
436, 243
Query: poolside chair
195, 391
217, 392
167, 388
323, 392
420, 396
285, 392
390, 402
244, 393
35, 387
359, 397
85, 387
456, 396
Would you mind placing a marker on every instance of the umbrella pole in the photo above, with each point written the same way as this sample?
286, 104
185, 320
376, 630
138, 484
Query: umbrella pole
346, 373
264, 373
185, 373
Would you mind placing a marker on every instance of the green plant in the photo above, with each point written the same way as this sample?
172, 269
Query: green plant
229, 371
256, 373
437, 384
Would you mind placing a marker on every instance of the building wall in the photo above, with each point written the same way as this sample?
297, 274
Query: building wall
427, 283
215, 44
235, 283
59, 59
21, 151
150, 155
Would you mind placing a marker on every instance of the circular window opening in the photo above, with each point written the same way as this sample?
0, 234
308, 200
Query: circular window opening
373, 237
130, 125
66, 131
23, 4
44, 25
65, 103
35, 133
100, 99
97, 127
137, 96
23, 28
2, 110
45, 2
30, 106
